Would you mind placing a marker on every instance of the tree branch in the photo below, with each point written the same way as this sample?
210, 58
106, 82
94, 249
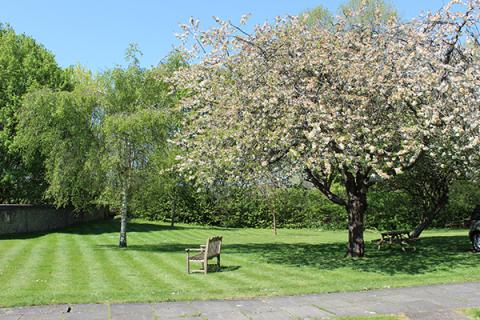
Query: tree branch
324, 188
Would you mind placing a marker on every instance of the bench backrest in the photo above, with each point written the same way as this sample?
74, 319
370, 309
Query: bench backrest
213, 247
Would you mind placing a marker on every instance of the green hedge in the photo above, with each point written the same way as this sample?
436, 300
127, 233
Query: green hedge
295, 208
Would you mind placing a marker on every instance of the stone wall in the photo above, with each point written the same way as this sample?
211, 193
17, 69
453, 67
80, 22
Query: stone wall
17, 218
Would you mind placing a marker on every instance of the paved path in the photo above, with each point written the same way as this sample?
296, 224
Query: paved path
428, 302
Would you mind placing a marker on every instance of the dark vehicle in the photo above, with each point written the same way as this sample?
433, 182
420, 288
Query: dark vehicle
475, 229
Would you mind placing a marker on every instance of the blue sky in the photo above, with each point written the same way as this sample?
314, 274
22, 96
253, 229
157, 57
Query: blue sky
95, 33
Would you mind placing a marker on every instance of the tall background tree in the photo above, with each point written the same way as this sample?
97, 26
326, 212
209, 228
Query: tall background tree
24, 65
61, 127
367, 12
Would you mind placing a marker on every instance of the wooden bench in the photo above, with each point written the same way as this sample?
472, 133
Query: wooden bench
209, 251
397, 237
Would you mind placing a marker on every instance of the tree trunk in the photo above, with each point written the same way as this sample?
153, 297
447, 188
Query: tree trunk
174, 210
428, 218
356, 207
123, 220
356, 210
356, 186
272, 201
274, 220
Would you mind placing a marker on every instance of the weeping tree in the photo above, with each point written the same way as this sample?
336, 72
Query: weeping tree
356, 103
100, 141
60, 128
24, 65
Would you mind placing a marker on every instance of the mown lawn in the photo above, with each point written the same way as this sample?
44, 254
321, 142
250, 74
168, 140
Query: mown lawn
82, 264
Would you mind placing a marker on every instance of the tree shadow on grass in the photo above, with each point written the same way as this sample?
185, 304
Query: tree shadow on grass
97, 228
433, 254
23, 236
213, 268
113, 226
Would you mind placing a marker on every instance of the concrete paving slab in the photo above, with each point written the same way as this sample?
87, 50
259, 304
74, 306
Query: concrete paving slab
132, 308
52, 309
353, 311
215, 306
10, 317
131, 316
329, 302
87, 311
425, 306
250, 307
84, 316
174, 309
305, 312
276, 315
43, 316
230, 315
439, 315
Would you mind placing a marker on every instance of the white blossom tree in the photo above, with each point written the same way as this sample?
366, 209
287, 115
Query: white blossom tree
353, 103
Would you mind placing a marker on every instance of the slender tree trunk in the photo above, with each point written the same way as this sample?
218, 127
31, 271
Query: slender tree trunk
356, 207
274, 222
123, 220
174, 210
272, 208
428, 218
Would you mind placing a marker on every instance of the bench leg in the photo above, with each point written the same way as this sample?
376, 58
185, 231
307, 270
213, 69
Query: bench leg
188, 264
205, 267
218, 261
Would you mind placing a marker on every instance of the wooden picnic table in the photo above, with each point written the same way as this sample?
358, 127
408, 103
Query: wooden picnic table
401, 237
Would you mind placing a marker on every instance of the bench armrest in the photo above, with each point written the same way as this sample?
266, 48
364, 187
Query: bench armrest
195, 249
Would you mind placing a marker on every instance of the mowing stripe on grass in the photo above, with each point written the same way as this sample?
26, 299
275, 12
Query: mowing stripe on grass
29, 273
116, 275
146, 273
6, 247
22, 264
121, 264
41, 276
61, 262
10, 250
257, 276
79, 264
103, 278
173, 269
